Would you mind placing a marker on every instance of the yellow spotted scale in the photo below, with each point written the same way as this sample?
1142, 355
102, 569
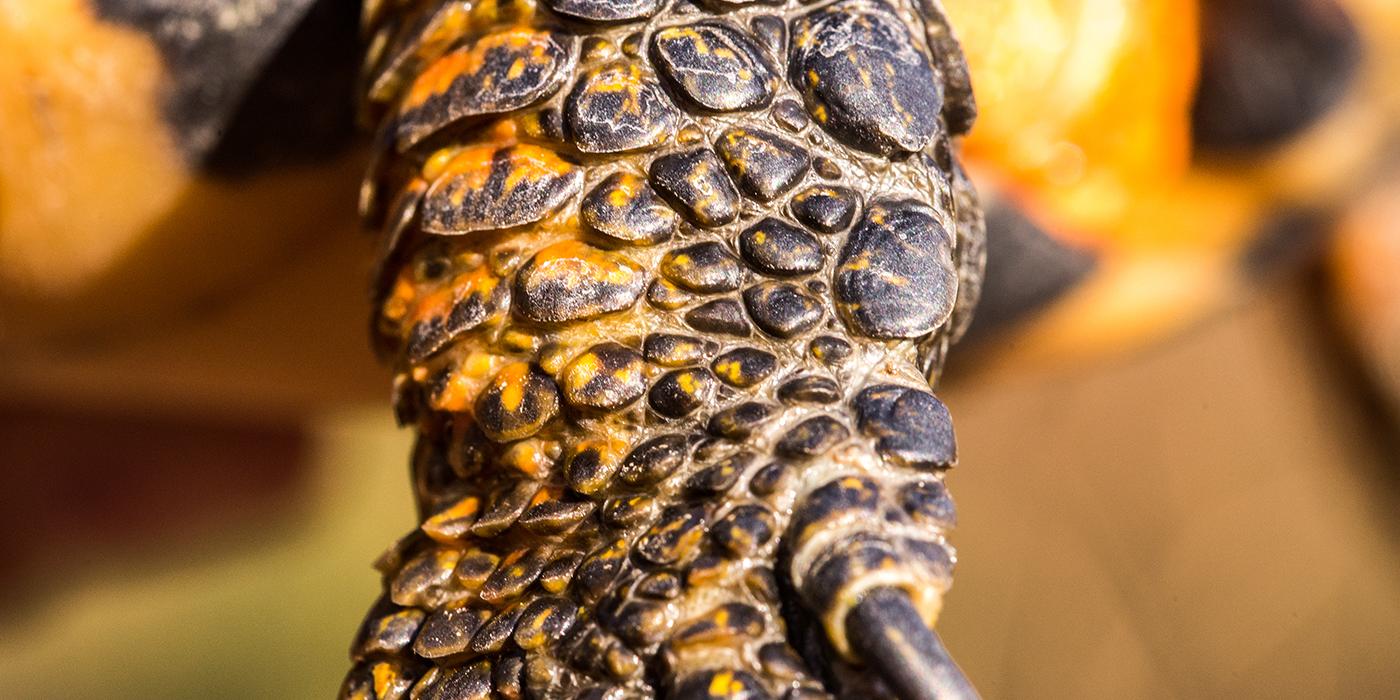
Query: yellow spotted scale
665, 285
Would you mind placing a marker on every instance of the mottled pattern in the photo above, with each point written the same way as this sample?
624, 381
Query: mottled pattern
664, 288
695, 182
485, 188
570, 281
895, 276
825, 209
624, 208
864, 78
765, 165
715, 66
493, 74
776, 247
707, 268
615, 109
605, 10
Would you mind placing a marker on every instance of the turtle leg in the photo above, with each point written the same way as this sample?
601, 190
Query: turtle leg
663, 287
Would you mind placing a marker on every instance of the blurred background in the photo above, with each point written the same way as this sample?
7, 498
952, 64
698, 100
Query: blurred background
1180, 446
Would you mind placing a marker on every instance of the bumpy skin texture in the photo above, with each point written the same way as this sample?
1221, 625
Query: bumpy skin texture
665, 286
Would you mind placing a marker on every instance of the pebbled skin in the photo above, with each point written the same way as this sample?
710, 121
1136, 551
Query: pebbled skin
665, 286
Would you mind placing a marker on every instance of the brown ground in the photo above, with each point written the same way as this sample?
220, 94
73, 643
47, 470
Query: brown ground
1214, 518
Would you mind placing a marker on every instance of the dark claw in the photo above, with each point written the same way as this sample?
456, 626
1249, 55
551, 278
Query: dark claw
887, 633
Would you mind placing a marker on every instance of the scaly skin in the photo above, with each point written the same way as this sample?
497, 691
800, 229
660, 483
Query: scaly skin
665, 286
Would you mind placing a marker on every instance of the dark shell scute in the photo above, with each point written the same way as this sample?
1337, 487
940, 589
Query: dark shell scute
813, 437
387, 630
673, 537
706, 268
715, 65
484, 188
911, 426
782, 309
715, 684
864, 79
480, 296
825, 209
472, 681
606, 377
605, 10
895, 277
744, 367
849, 497
661, 585
769, 479
791, 115
508, 503
696, 184
571, 281
775, 247
673, 350
664, 294
495, 74
830, 350
614, 109
813, 389
745, 529
624, 208
772, 31
544, 621
739, 422
653, 460
679, 393
517, 403
730, 621
722, 316
719, 477
929, 503
765, 165
449, 631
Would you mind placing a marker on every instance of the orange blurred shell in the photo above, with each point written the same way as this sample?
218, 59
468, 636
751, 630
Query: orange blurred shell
1082, 102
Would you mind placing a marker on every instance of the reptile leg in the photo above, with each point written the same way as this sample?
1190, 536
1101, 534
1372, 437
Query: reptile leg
664, 286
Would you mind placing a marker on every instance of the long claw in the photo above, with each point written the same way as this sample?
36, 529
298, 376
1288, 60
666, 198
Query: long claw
887, 632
